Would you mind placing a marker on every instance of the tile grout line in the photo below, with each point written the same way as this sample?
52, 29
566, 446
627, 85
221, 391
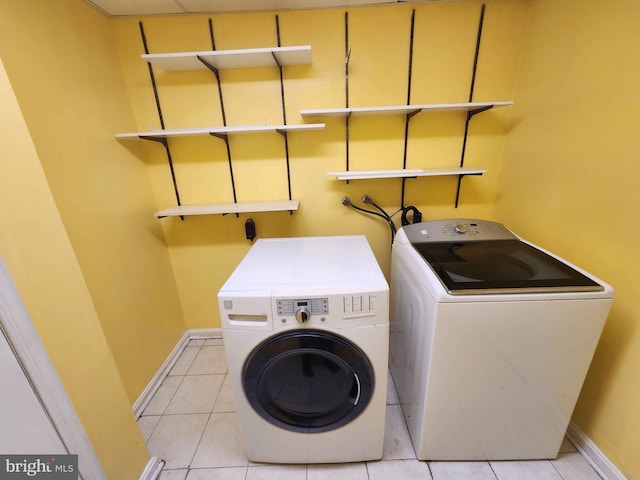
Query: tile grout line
195, 450
183, 377
211, 412
164, 412
495, 475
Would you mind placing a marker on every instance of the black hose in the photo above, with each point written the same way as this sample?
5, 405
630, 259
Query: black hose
369, 201
346, 201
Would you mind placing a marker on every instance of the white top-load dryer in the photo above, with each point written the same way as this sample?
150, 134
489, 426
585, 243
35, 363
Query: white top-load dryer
491, 339
306, 331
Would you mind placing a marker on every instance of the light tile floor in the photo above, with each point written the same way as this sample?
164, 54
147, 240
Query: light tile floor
191, 424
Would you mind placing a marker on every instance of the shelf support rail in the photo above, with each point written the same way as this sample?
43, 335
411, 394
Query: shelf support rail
273, 54
284, 112
216, 73
163, 140
223, 137
411, 114
471, 113
347, 55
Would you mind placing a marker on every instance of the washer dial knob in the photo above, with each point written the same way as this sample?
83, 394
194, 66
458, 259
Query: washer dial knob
461, 228
303, 314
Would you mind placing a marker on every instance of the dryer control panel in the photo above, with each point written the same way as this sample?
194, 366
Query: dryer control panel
337, 310
358, 305
315, 306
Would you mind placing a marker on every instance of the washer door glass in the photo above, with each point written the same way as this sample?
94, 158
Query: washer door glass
308, 381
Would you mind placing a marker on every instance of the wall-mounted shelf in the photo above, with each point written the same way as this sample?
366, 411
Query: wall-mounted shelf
404, 109
409, 110
222, 59
403, 173
184, 132
225, 208
216, 60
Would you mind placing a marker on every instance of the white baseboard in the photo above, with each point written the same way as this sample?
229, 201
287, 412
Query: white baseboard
592, 454
148, 393
204, 333
153, 469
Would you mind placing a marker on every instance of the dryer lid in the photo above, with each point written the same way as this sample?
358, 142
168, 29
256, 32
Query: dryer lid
306, 265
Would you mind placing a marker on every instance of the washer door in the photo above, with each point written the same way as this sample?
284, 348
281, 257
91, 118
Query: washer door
308, 381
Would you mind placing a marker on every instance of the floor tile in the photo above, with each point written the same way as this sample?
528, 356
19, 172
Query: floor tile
163, 396
176, 438
392, 396
184, 361
173, 474
196, 394
147, 425
461, 471
223, 473
397, 442
277, 472
567, 446
341, 471
203, 446
210, 360
225, 401
573, 466
525, 470
400, 469
221, 444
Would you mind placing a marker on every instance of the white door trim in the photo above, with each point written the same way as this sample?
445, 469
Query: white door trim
29, 349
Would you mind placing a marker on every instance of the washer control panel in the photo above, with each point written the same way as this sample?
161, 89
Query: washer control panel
457, 229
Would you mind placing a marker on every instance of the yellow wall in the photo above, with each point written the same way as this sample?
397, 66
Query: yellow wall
564, 179
570, 183
205, 250
36, 249
61, 59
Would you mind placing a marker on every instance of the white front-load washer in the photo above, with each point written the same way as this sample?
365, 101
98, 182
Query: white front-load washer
306, 331
491, 339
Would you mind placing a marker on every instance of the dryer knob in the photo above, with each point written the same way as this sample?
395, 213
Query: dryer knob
302, 314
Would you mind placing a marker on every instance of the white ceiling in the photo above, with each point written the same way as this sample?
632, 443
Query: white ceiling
117, 8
